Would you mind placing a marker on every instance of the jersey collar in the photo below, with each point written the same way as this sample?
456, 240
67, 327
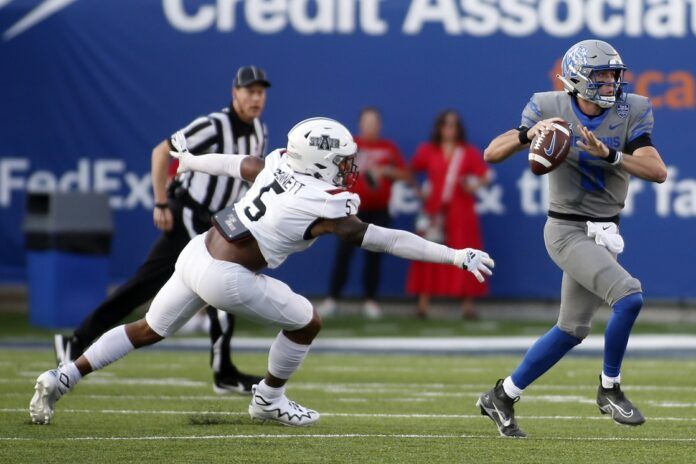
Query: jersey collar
591, 122
239, 127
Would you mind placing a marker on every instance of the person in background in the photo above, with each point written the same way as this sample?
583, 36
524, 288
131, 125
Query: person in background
455, 170
380, 164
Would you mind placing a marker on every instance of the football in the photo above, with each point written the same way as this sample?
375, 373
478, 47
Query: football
548, 150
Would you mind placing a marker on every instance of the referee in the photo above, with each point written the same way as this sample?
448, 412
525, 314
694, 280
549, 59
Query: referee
183, 211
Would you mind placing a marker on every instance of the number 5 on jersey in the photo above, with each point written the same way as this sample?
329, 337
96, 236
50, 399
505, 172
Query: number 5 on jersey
258, 202
351, 207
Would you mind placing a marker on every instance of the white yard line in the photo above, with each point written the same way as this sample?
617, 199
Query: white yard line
108, 380
116, 396
364, 387
411, 397
423, 371
637, 343
644, 344
480, 387
337, 414
346, 436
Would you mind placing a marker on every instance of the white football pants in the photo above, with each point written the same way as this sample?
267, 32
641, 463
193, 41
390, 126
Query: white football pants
201, 280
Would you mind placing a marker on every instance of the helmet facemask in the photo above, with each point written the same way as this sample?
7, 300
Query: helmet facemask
347, 171
592, 87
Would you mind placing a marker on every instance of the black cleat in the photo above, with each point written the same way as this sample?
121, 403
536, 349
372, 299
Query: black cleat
499, 407
613, 401
234, 382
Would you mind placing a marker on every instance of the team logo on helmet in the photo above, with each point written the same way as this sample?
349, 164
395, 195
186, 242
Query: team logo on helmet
574, 60
622, 110
324, 142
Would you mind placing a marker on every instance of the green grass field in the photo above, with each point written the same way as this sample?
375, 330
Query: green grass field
157, 406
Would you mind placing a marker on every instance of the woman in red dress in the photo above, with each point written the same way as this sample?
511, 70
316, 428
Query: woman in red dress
448, 156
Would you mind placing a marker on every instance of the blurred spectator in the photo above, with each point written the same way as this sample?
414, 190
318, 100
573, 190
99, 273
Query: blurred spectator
380, 164
455, 170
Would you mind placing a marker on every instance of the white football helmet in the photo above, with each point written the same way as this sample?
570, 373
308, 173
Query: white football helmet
323, 148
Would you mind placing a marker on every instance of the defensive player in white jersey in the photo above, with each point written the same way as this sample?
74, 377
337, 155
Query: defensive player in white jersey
611, 142
297, 195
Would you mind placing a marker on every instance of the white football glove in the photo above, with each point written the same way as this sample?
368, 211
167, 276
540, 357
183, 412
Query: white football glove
181, 153
475, 261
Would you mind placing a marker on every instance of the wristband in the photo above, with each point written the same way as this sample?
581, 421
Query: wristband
523, 137
614, 157
162, 205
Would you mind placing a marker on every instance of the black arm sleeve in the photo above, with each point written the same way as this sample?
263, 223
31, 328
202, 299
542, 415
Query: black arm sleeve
641, 141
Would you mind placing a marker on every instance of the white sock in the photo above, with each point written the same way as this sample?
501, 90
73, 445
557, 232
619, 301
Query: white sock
285, 356
109, 348
269, 393
608, 382
71, 372
510, 388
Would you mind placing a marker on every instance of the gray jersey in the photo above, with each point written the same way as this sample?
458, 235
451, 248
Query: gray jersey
584, 184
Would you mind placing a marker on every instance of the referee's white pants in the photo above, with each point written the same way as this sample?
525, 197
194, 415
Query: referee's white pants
201, 280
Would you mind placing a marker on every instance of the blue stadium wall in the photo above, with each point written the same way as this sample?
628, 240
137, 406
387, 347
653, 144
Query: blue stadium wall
88, 88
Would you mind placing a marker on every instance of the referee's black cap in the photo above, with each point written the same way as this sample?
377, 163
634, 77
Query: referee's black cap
248, 75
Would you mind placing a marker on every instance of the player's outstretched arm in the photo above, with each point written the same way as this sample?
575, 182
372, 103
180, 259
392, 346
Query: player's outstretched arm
510, 142
243, 167
404, 244
238, 166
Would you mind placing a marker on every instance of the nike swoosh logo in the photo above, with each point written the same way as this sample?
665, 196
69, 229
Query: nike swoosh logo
621, 411
614, 126
549, 150
506, 422
606, 227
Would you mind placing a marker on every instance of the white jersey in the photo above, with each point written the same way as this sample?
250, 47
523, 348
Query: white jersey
281, 207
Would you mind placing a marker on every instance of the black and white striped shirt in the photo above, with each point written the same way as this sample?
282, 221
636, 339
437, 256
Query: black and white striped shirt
219, 132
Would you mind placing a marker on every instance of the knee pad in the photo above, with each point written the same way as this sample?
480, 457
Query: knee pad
305, 313
579, 331
622, 289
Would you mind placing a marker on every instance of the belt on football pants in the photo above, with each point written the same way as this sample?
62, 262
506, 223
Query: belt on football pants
581, 218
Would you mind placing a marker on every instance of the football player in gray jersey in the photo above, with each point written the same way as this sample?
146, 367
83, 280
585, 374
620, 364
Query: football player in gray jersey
612, 140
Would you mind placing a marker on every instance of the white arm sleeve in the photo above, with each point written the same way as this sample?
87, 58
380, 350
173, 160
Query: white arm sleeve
406, 245
215, 164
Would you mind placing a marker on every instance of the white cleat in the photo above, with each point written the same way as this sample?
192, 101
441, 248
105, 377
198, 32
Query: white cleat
371, 310
281, 410
50, 386
327, 308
